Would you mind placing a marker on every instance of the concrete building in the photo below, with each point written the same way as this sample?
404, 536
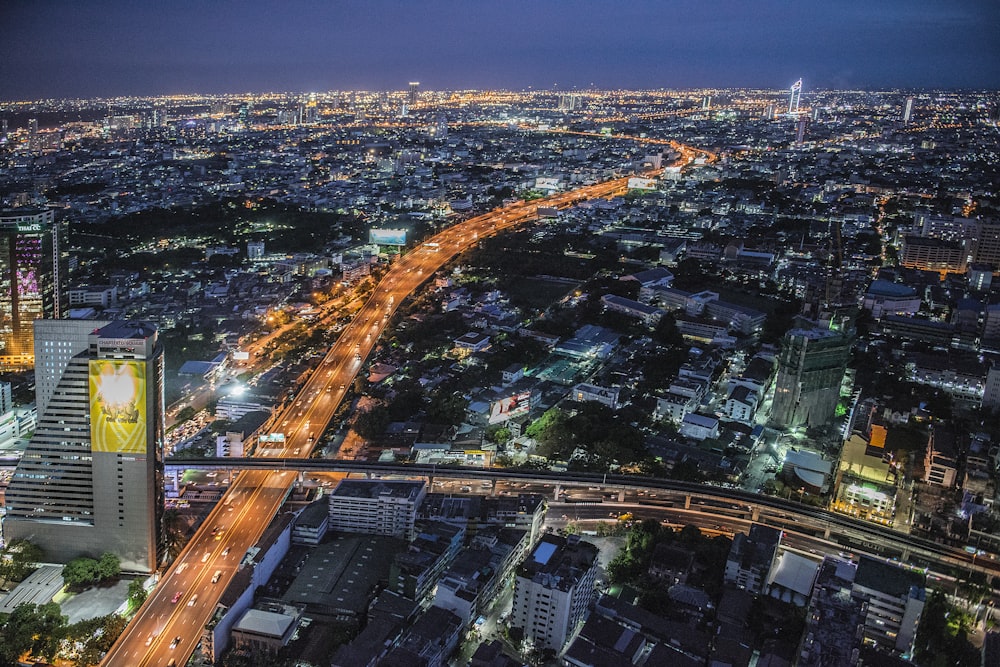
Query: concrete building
810, 370
941, 458
376, 507
553, 589
894, 598
751, 556
991, 395
91, 479
888, 297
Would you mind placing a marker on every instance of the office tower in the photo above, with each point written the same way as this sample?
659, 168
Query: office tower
908, 110
91, 478
769, 112
987, 243
706, 102
553, 588
31, 276
810, 370
892, 599
794, 94
244, 115
255, 251
414, 93
800, 131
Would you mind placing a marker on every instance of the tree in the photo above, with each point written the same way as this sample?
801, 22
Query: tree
18, 559
136, 593
109, 566
185, 414
35, 629
173, 533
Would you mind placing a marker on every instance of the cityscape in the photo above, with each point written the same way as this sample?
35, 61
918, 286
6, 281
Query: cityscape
415, 374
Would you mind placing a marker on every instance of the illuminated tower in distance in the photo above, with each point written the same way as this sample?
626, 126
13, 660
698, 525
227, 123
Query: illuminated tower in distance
413, 94
30, 279
908, 110
793, 98
91, 478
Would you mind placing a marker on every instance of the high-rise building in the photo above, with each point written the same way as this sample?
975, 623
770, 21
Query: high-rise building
31, 276
991, 395
91, 478
810, 371
553, 588
800, 131
908, 110
413, 94
794, 95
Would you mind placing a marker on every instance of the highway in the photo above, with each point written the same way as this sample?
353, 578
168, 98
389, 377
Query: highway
167, 626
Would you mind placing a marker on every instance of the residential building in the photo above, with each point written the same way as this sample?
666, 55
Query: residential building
699, 427
553, 589
91, 479
941, 458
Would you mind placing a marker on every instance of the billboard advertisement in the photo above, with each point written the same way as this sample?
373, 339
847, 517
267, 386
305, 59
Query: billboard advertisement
387, 236
636, 183
118, 406
510, 407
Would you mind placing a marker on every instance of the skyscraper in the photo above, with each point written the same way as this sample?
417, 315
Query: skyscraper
90, 480
908, 110
794, 94
800, 131
414, 93
810, 370
30, 279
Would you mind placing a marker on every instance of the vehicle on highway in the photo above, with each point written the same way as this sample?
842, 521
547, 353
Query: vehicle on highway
225, 552
206, 555
175, 642
216, 576
176, 598
194, 598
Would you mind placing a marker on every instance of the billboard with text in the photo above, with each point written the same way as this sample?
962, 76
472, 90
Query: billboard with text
118, 406
510, 407
387, 236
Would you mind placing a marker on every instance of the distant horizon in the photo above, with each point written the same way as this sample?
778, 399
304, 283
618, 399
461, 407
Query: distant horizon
63, 49
806, 92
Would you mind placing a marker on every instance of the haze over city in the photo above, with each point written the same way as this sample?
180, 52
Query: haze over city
62, 48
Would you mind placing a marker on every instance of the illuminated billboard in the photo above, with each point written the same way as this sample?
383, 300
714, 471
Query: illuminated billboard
510, 407
387, 236
118, 406
636, 183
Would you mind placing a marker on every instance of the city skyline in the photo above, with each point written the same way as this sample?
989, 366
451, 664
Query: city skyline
114, 49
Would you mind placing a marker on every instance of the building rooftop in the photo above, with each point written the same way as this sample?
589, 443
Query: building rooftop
378, 488
557, 562
892, 580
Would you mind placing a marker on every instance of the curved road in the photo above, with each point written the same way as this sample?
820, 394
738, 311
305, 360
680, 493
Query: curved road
168, 626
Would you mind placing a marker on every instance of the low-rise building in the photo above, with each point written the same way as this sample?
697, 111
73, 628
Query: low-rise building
376, 507
751, 557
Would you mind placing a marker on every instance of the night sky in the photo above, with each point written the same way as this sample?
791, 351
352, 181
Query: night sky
87, 48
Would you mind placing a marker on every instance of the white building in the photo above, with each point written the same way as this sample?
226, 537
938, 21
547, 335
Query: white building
605, 395
376, 507
553, 589
699, 427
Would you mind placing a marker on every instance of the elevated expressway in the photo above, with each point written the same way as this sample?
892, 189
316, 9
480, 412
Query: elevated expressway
849, 533
168, 625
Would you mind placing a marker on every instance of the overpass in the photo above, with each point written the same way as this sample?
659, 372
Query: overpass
853, 534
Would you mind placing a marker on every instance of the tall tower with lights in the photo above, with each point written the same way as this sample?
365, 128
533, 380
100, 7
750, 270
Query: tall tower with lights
31, 276
794, 94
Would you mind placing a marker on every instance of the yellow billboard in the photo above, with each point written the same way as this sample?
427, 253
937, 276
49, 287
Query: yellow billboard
117, 406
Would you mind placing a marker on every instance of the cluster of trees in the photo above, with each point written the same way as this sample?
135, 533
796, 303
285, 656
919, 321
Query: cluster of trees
18, 559
43, 632
942, 635
631, 564
603, 436
84, 572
